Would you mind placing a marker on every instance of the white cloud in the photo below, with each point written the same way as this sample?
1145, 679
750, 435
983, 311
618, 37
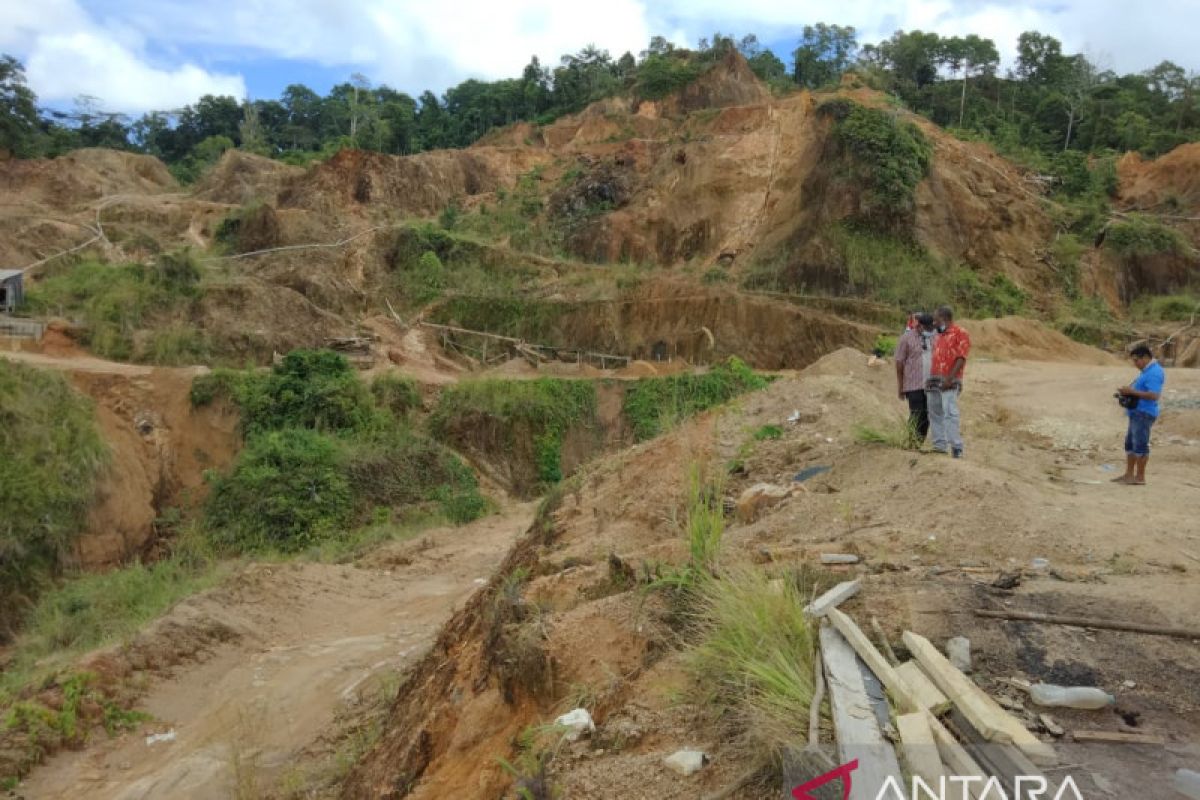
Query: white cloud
418, 44
67, 53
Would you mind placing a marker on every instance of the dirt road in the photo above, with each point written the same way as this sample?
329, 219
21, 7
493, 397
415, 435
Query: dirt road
310, 637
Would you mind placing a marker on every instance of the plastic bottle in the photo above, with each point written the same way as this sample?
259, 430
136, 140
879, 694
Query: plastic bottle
1047, 694
1187, 783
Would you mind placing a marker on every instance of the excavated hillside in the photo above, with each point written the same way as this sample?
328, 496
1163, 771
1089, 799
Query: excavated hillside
718, 185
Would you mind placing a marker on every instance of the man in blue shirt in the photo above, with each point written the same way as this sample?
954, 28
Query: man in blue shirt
1147, 388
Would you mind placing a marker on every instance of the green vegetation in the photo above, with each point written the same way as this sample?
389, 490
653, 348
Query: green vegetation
885, 345
325, 456
1140, 237
397, 394
52, 455
768, 432
40, 727
755, 653
654, 405
116, 303
886, 156
44, 704
285, 492
899, 436
521, 318
542, 409
427, 260
1000, 297
1051, 102
1166, 308
1089, 320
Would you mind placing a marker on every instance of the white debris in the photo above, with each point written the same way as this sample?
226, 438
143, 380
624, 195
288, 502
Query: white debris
155, 738
577, 722
958, 650
686, 762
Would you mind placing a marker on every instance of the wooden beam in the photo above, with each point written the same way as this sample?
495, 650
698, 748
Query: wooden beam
905, 699
1091, 622
833, 598
929, 697
957, 760
1004, 761
1112, 737
984, 713
857, 731
919, 748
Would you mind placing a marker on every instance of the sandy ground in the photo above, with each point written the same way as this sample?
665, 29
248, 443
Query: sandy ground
311, 635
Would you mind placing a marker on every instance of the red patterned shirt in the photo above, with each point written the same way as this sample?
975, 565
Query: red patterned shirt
950, 345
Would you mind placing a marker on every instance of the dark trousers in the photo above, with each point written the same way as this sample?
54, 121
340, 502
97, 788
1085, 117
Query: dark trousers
918, 414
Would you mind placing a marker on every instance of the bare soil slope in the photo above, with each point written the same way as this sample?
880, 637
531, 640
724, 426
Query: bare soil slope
1043, 441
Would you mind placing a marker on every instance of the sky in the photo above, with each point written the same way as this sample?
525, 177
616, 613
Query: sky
140, 55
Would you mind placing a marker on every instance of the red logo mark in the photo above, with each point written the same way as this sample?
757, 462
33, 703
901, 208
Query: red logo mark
801, 792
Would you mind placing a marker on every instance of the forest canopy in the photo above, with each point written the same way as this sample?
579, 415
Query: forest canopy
1048, 103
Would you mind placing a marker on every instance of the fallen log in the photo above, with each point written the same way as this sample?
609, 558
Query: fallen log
1089, 622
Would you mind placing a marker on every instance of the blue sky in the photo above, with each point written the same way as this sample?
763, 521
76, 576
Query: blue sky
136, 55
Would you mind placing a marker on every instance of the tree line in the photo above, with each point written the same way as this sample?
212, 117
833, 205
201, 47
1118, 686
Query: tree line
1048, 103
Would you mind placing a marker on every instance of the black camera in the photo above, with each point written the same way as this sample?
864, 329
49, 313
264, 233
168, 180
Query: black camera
1126, 400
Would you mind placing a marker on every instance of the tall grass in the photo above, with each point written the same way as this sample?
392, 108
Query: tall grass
705, 521
755, 653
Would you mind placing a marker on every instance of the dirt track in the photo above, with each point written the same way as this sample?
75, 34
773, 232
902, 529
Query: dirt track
311, 637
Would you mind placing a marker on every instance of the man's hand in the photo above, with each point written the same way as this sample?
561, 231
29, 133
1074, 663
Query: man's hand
1125, 390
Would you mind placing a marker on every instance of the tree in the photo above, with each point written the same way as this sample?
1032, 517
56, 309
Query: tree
1039, 58
251, 130
1076, 77
824, 53
969, 54
912, 57
18, 109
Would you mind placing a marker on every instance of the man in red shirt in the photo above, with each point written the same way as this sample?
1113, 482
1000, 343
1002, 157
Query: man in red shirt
950, 351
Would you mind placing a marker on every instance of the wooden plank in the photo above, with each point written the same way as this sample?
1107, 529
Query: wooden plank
919, 748
901, 694
928, 696
984, 713
857, 732
1004, 761
833, 598
1112, 737
1091, 622
957, 760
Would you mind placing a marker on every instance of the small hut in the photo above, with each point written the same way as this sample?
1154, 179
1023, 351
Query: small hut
11, 290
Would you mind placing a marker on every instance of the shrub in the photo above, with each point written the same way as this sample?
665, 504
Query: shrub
315, 389
659, 75
399, 468
885, 345
1000, 297
286, 491
52, 453
653, 405
887, 156
1140, 237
